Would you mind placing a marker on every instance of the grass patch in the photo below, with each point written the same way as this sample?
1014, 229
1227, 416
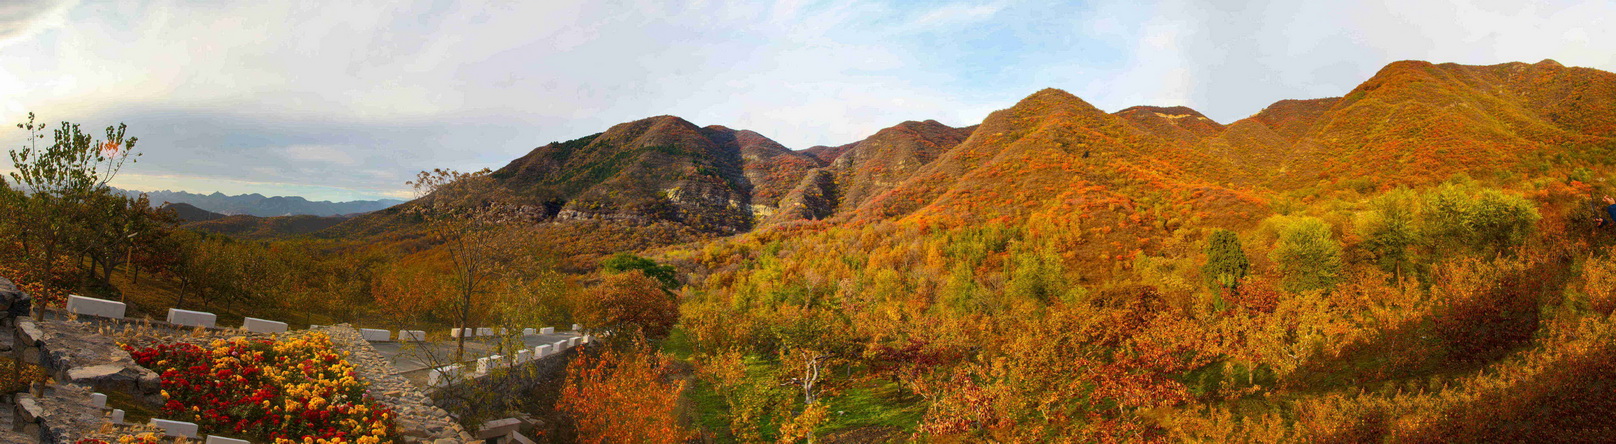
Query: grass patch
879, 404
679, 345
135, 411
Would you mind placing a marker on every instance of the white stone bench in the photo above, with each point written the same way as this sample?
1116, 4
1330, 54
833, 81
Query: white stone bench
191, 318
561, 346
482, 365
256, 325
524, 355
485, 331
441, 375
543, 350
528, 332
216, 439
374, 335
84, 306
456, 332
411, 335
498, 428
588, 339
573, 342
576, 327
99, 400
547, 331
176, 428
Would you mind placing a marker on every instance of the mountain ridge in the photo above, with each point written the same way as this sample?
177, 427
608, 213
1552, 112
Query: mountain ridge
1053, 151
255, 204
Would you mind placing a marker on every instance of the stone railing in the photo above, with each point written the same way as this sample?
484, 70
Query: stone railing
440, 376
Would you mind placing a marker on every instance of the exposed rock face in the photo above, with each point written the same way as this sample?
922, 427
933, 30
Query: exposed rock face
812, 199
13, 302
656, 169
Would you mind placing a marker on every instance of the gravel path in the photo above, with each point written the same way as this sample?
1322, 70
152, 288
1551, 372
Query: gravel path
418, 420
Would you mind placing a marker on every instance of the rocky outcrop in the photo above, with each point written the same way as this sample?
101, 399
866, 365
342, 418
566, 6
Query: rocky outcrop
75, 353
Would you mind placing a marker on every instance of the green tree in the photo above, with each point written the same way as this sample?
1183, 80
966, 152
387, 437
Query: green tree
1226, 262
622, 262
1461, 217
60, 180
1307, 256
1036, 273
1390, 231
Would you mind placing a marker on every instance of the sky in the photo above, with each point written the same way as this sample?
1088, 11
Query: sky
345, 100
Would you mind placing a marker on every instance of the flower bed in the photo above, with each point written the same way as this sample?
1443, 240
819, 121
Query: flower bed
295, 390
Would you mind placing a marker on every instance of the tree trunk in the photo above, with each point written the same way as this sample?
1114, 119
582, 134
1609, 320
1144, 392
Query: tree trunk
184, 284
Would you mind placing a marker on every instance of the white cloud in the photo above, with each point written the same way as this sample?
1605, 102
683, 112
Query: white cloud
23, 19
336, 154
955, 15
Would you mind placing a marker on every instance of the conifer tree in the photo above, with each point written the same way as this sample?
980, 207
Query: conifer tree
1226, 262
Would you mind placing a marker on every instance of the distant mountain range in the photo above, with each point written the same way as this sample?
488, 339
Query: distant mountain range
258, 205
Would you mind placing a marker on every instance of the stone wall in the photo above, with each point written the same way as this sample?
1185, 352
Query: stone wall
75, 352
532, 387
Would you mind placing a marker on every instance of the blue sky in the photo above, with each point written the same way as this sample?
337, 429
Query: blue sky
346, 100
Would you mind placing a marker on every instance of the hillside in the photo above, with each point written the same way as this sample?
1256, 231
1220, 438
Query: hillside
1050, 153
1175, 122
188, 213
660, 169
861, 170
254, 227
1416, 123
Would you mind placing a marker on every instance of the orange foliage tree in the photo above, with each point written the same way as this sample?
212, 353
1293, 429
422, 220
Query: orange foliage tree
630, 302
623, 396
